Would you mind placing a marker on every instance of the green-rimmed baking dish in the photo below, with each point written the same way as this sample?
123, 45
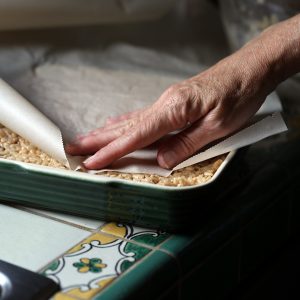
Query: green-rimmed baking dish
106, 198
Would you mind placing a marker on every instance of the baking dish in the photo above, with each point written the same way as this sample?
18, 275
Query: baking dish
105, 198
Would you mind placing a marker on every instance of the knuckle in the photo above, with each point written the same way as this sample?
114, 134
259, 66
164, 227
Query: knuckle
182, 93
178, 92
186, 145
120, 131
220, 125
178, 104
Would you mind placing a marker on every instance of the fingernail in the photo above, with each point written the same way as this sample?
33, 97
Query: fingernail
169, 158
88, 160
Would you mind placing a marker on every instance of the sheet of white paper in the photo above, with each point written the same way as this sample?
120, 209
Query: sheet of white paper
268, 126
59, 91
272, 104
17, 114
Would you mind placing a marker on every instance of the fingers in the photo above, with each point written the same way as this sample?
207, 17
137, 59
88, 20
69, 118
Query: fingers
91, 143
96, 139
173, 110
142, 135
123, 117
186, 143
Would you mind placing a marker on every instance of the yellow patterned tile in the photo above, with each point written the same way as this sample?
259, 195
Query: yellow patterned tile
88, 294
62, 296
148, 237
95, 238
113, 228
91, 265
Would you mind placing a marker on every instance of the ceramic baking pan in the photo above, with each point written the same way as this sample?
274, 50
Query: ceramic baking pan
106, 198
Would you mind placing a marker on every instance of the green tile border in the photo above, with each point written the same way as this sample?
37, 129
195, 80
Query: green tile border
147, 279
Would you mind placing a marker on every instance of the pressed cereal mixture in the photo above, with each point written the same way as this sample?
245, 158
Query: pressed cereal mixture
15, 147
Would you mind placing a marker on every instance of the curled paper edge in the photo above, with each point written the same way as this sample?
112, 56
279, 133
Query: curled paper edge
257, 131
17, 114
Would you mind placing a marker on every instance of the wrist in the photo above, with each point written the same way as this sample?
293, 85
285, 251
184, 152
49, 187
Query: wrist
270, 58
279, 49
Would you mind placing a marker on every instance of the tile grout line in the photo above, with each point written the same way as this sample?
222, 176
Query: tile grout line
118, 277
92, 233
28, 210
158, 249
126, 240
98, 230
122, 275
153, 249
61, 255
93, 230
179, 267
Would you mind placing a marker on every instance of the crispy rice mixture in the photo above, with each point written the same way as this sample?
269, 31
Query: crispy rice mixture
14, 147
192, 175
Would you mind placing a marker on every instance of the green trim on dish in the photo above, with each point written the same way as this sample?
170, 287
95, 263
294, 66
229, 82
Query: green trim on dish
122, 201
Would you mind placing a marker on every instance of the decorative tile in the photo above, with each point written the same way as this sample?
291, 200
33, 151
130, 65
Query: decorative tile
31, 241
150, 279
84, 222
93, 264
148, 237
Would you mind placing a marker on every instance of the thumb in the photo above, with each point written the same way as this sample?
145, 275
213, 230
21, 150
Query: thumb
187, 142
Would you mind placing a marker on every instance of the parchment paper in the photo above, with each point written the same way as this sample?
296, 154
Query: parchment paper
17, 114
79, 99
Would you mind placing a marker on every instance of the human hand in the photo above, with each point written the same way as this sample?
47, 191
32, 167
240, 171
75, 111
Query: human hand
206, 107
